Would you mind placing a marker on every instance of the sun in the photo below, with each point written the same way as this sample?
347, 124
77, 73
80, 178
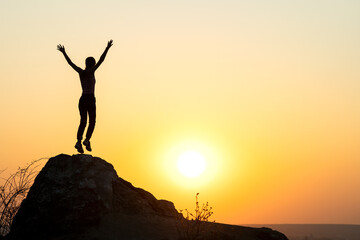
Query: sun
191, 164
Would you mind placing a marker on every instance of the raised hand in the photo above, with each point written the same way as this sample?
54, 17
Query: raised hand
61, 48
110, 43
102, 57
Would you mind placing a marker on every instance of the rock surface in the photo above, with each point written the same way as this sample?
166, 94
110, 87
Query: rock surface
81, 197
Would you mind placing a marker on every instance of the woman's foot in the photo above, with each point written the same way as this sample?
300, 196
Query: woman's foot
79, 147
87, 145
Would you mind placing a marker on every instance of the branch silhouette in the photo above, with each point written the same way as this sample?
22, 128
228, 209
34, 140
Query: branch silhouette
13, 191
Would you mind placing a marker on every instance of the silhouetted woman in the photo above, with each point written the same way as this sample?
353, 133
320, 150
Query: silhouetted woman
87, 100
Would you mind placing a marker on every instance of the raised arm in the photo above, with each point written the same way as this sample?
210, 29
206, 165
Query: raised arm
102, 58
61, 48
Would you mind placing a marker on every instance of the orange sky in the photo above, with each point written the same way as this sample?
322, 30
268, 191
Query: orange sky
268, 92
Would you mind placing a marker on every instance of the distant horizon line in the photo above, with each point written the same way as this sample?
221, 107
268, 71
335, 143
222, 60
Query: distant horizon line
258, 224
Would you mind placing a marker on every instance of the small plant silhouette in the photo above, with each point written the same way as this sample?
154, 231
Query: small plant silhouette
13, 191
191, 224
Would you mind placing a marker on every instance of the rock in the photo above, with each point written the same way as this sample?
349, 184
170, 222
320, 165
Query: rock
81, 197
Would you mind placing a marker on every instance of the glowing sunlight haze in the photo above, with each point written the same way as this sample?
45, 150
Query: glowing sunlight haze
253, 104
191, 164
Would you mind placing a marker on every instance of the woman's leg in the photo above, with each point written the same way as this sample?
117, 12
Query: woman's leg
92, 117
83, 118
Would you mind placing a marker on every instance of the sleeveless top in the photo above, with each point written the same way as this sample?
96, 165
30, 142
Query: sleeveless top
87, 79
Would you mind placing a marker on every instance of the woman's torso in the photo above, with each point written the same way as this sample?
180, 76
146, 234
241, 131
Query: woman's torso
87, 79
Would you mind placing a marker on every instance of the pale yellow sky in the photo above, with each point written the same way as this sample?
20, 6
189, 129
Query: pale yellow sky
268, 91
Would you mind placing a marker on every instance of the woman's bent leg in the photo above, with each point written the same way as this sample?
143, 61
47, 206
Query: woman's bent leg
83, 118
92, 118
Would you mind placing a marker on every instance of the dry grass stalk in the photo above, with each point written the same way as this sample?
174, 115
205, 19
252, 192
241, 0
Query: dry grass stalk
191, 224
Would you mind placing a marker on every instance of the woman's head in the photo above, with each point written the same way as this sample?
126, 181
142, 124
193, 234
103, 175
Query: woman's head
90, 62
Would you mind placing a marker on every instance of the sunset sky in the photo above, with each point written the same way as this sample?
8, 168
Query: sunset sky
267, 91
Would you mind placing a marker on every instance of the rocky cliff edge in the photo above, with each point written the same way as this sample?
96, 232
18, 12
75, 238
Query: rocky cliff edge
81, 197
